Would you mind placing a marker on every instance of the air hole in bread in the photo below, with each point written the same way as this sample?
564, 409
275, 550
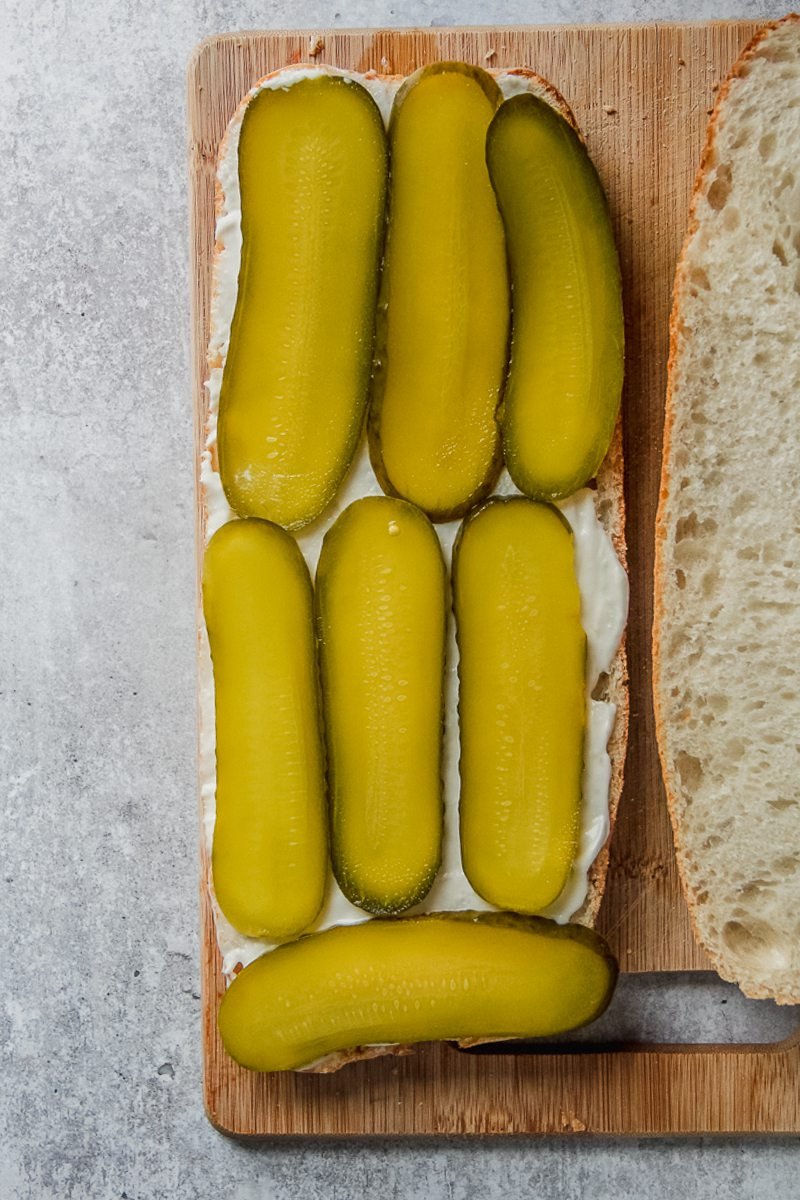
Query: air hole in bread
735, 749
742, 502
748, 891
773, 51
690, 771
780, 253
794, 204
687, 527
720, 189
756, 945
786, 866
797, 281
680, 580
760, 358
747, 554
781, 804
600, 689
732, 218
767, 145
710, 582
700, 277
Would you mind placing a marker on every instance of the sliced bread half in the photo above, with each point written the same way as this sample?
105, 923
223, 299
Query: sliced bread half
726, 637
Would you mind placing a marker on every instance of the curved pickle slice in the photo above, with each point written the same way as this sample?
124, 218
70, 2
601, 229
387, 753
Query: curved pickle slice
443, 317
522, 705
381, 605
564, 383
415, 979
312, 172
269, 853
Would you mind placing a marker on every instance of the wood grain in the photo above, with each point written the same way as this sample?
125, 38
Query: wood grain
642, 95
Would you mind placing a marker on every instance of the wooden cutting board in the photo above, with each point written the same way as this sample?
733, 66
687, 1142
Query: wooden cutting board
642, 96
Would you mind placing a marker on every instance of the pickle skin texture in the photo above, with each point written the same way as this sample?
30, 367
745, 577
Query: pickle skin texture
312, 172
562, 394
269, 856
522, 703
415, 979
381, 602
443, 314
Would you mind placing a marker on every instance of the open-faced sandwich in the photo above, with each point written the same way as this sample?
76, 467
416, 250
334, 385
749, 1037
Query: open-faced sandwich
412, 760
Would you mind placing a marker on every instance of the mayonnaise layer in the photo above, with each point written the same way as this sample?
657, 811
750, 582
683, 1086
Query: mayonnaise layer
602, 581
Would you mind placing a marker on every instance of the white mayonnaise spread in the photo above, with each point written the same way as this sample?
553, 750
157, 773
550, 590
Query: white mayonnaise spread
602, 581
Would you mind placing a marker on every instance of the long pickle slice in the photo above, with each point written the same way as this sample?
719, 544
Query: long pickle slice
443, 319
381, 603
522, 704
312, 173
269, 852
563, 390
415, 979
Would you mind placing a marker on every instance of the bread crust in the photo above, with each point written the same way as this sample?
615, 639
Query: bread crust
611, 510
751, 988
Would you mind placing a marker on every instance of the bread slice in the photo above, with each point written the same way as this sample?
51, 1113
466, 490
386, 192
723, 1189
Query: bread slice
612, 688
726, 636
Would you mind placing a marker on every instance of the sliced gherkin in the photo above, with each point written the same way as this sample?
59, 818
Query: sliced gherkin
381, 604
415, 979
312, 172
564, 383
269, 855
522, 704
443, 318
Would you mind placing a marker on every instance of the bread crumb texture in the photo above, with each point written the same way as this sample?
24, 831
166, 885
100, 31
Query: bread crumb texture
727, 633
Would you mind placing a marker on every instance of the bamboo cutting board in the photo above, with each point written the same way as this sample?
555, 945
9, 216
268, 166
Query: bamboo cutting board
642, 96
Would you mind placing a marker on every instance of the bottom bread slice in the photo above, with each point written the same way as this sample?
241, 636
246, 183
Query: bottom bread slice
726, 641
609, 498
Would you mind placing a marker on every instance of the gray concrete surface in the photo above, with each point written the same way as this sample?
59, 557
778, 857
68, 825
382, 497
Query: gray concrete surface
100, 1087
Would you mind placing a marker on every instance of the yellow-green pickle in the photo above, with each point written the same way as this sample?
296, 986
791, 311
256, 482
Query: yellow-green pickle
269, 854
312, 174
415, 979
443, 317
381, 599
564, 383
522, 705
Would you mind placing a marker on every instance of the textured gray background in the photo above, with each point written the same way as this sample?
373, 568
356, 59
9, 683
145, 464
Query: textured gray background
100, 1091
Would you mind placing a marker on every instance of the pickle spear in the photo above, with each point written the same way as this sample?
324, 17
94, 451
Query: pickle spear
563, 390
312, 173
443, 316
522, 705
416, 979
381, 604
269, 853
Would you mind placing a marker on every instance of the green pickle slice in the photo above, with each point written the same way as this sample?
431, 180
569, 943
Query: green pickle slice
415, 979
269, 855
443, 317
312, 172
522, 704
381, 601
564, 383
